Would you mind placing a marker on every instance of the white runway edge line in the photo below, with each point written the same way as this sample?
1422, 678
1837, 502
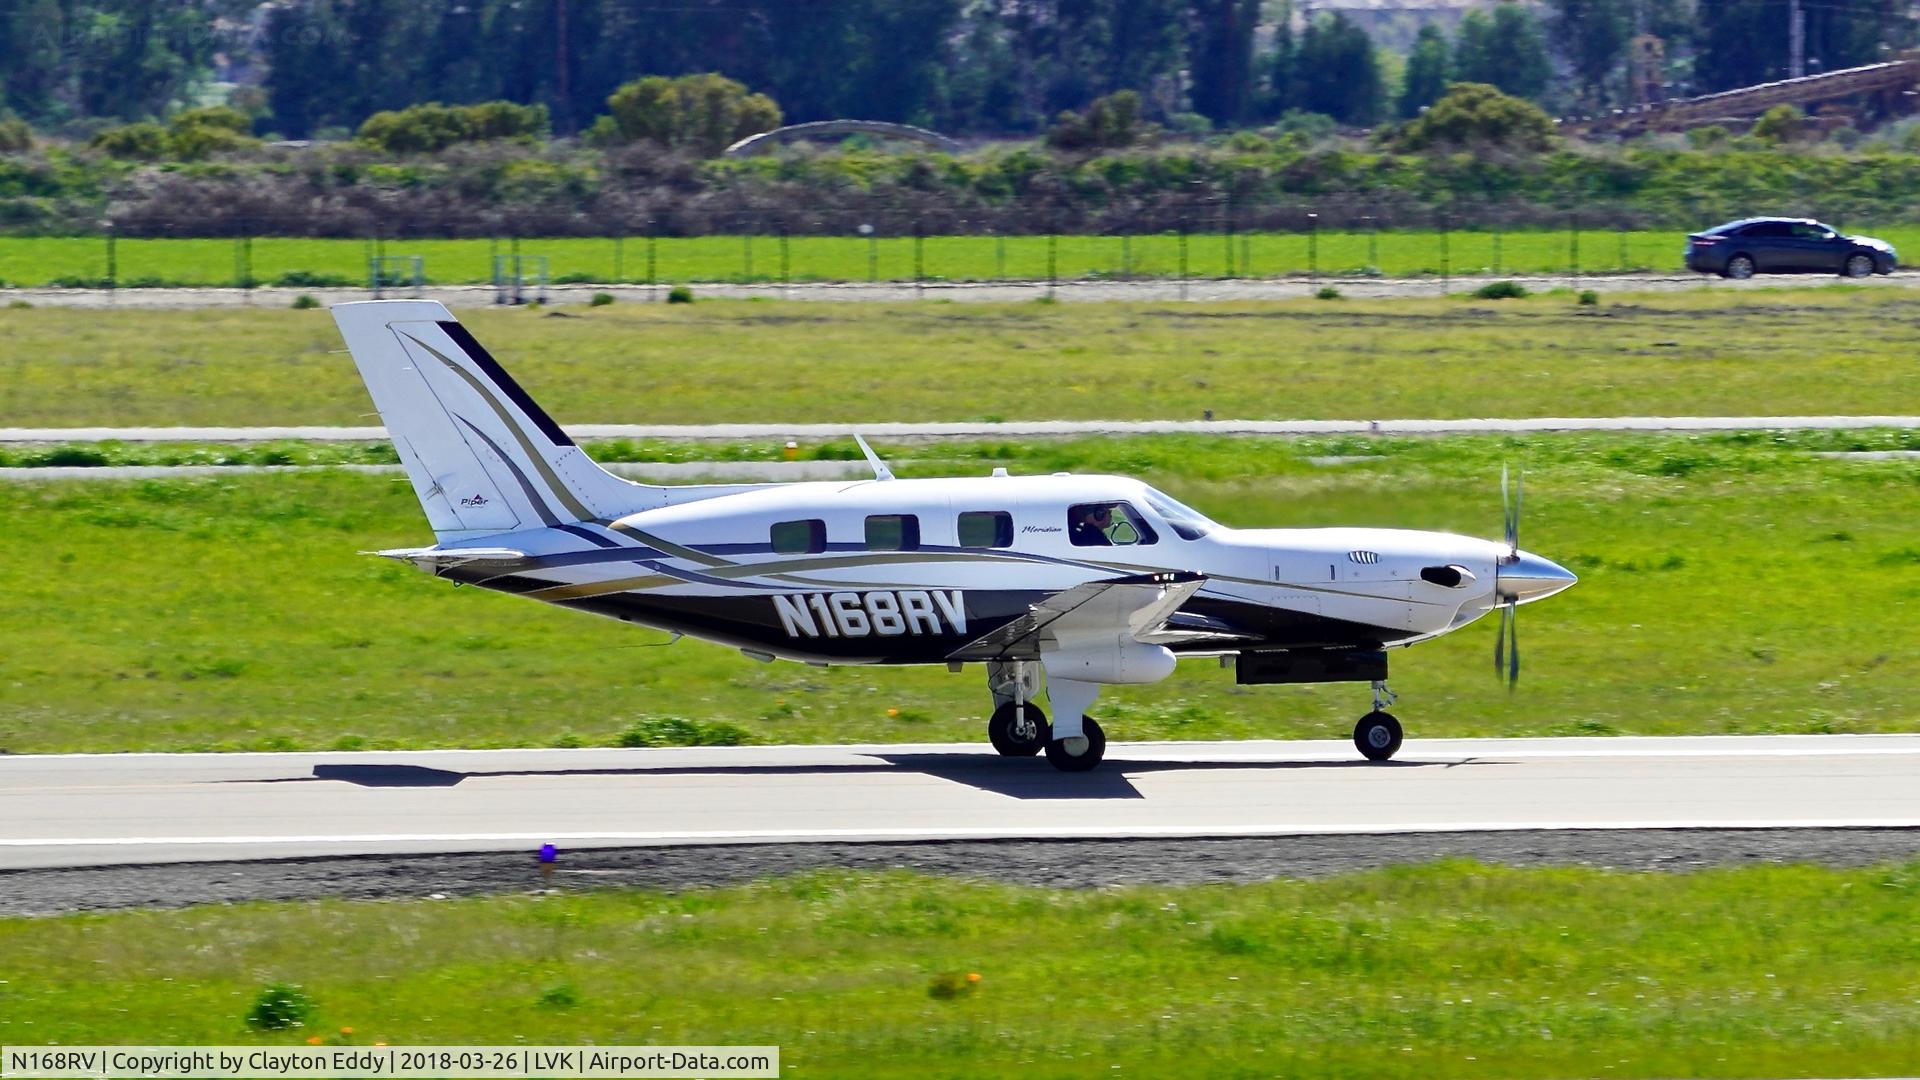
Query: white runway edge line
999, 429
1137, 832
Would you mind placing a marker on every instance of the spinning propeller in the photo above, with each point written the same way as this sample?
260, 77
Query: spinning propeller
1519, 578
1506, 647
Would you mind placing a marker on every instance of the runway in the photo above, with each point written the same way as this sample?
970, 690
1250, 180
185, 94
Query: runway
87, 810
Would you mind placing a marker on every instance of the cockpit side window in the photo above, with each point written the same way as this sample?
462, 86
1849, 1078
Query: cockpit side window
893, 532
805, 537
1107, 524
1186, 522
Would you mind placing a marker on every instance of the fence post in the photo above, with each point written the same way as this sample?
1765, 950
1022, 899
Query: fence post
1226, 235
1000, 256
513, 245
746, 254
1053, 262
873, 253
919, 261
619, 258
1126, 256
783, 259
1313, 246
1446, 253
653, 238
1622, 230
113, 260
1373, 243
1183, 260
1573, 247
1496, 243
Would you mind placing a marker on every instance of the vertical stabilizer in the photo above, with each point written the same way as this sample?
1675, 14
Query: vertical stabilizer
483, 458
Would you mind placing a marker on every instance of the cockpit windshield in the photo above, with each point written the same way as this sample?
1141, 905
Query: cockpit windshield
1189, 523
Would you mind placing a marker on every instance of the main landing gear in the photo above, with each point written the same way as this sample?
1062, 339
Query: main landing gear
1378, 734
1018, 727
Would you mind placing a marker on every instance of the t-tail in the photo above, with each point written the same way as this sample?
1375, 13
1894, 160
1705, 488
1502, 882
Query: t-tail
483, 458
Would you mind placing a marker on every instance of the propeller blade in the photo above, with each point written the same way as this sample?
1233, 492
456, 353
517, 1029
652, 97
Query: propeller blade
1513, 645
1500, 640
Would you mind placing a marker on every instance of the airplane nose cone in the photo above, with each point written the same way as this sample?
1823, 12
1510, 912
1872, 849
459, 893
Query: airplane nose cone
1529, 577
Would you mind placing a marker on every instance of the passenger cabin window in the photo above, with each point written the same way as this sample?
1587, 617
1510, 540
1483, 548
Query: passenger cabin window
1107, 524
893, 532
804, 537
986, 529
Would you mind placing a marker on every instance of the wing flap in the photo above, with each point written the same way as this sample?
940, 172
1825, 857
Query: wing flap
434, 560
1139, 605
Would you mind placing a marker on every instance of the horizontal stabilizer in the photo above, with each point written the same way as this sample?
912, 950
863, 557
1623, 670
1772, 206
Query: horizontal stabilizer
1137, 606
434, 560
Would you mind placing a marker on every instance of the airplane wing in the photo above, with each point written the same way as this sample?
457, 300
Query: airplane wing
1140, 605
434, 560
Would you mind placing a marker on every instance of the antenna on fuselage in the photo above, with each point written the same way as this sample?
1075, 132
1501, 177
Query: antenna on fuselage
880, 470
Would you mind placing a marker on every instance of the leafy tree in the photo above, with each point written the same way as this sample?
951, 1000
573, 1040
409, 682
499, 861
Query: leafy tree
1506, 50
1478, 116
1742, 42
1593, 36
137, 142
1220, 57
1337, 71
1427, 70
703, 113
15, 136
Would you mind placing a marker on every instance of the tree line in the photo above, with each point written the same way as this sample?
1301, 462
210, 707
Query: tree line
980, 67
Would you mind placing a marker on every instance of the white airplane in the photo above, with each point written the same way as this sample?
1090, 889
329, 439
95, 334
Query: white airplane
1061, 583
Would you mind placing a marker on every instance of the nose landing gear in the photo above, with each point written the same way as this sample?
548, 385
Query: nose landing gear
1377, 736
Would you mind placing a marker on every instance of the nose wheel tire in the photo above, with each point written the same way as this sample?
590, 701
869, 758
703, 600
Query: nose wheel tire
1081, 754
1740, 267
1016, 732
1859, 266
1377, 735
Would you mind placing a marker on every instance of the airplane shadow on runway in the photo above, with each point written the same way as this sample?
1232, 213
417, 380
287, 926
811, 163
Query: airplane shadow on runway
1017, 778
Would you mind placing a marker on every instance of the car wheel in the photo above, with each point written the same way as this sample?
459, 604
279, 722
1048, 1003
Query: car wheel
1740, 267
1859, 266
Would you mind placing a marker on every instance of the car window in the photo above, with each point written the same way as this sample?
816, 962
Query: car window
893, 532
804, 537
1767, 229
1804, 231
1107, 524
986, 529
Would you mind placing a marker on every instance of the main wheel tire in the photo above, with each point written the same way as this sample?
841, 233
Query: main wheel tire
1859, 266
1741, 267
1018, 733
1377, 735
1084, 754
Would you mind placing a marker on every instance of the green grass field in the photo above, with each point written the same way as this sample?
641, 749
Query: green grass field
33, 261
1836, 349
1729, 585
1447, 970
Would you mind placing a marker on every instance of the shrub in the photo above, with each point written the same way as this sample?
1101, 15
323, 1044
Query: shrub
222, 117
1500, 290
952, 984
1782, 123
15, 136
600, 299
432, 127
1110, 122
702, 113
305, 302
1706, 138
133, 142
559, 996
1327, 292
1589, 298
680, 731
679, 294
279, 1006
1478, 115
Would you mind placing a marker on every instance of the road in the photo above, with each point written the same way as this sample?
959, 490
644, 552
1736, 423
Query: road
1211, 289
984, 429
87, 810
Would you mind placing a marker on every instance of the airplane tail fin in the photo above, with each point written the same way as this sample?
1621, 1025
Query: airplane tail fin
483, 458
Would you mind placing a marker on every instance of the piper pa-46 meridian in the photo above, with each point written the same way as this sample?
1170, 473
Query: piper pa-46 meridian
1057, 583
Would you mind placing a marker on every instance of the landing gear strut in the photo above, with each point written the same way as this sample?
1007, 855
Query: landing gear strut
1378, 735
